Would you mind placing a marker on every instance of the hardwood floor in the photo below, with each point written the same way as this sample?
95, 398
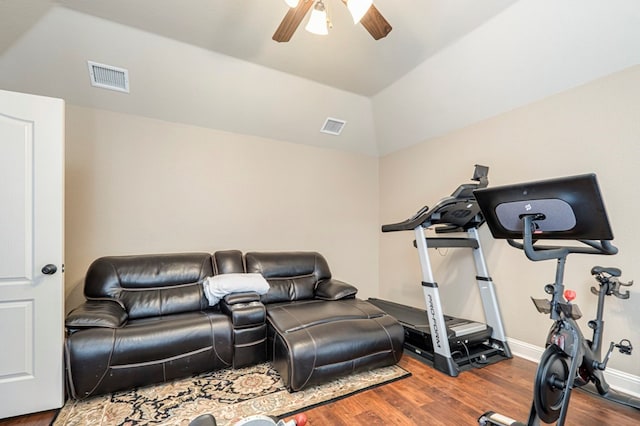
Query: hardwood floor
429, 397
37, 419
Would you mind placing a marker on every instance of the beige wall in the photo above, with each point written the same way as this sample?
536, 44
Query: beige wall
138, 185
178, 82
594, 128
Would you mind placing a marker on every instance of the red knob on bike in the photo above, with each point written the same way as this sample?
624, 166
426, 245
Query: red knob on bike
569, 295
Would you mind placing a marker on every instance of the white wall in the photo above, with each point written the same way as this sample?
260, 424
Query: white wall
593, 128
137, 185
531, 50
177, 82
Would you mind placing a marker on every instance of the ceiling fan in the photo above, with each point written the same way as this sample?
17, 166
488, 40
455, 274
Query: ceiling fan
363, 11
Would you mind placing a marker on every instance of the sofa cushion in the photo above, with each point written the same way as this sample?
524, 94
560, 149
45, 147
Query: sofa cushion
151, 285
291, 317
147, 350
289, 289
228, 262
291, 275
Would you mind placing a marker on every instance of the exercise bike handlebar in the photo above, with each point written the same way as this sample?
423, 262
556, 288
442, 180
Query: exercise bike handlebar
537, 253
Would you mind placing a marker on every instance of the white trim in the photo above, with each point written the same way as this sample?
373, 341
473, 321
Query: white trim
525, 350
618, 380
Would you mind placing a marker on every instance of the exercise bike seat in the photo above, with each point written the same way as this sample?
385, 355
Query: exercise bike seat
614, 272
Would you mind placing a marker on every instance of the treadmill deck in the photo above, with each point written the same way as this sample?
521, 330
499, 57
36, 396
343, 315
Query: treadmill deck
417, 320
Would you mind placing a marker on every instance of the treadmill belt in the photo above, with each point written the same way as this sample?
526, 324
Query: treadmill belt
417, 319
405, 314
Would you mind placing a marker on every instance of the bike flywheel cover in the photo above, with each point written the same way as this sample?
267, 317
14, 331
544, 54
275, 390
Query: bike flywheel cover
547, 395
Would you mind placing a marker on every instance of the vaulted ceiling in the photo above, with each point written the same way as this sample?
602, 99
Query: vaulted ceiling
213, 63
348, 58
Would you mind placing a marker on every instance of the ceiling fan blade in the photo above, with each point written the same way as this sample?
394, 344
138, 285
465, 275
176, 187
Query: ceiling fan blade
291, 20
374, 22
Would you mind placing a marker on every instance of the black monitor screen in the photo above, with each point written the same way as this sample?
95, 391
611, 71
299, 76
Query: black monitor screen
568, 208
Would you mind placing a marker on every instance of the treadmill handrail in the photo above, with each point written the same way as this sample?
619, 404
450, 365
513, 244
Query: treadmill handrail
464, 192
537, 253
421, 217
410, 224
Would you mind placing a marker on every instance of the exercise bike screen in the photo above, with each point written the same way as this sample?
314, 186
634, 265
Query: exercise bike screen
569, 208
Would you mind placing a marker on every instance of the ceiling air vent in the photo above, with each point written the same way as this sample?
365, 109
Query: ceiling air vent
333, 126
109, 77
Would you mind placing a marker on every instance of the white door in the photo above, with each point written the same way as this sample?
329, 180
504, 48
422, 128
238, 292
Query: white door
31, 247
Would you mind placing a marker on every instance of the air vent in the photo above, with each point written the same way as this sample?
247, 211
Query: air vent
333, 126
109, 77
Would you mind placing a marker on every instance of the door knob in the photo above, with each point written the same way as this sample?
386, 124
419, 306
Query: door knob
49, 269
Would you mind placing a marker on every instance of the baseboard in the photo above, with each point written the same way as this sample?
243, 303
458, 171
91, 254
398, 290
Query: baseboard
525, 350
618, 380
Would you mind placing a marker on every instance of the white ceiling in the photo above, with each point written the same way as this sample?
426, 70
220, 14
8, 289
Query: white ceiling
212, 63
348, 58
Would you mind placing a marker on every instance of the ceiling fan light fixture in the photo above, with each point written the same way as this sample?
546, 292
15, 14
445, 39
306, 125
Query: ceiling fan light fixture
318, 20
292, 3
358, 8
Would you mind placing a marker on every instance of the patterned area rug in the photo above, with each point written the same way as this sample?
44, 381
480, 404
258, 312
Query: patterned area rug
229, 395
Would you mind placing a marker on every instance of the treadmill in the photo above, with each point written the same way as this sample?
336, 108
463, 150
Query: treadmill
468, 343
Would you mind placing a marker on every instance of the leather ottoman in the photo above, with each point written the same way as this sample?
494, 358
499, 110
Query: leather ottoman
313, 341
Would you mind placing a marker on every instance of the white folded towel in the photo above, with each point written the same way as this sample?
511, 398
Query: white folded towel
218, 286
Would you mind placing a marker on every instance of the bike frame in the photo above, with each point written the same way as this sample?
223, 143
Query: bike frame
568, 208
565, 333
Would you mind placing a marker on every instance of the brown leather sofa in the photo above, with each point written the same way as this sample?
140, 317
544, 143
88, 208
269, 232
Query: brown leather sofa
146, 320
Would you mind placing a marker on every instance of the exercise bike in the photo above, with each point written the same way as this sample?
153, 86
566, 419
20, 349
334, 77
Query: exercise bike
560, 209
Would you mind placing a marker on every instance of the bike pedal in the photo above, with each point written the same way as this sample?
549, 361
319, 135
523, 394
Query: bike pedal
625, 347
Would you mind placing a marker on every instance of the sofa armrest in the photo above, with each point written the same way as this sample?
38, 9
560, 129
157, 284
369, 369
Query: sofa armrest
248, 318
335, 290
97, 313
244, 297
244, 309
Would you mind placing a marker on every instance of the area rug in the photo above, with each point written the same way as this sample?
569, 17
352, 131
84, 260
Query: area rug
229, 395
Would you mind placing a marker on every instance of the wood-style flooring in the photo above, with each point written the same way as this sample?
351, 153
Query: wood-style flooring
429, 397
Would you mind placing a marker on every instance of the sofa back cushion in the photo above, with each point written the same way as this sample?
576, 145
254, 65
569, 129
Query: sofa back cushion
151, 285
291, 275
228, 262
